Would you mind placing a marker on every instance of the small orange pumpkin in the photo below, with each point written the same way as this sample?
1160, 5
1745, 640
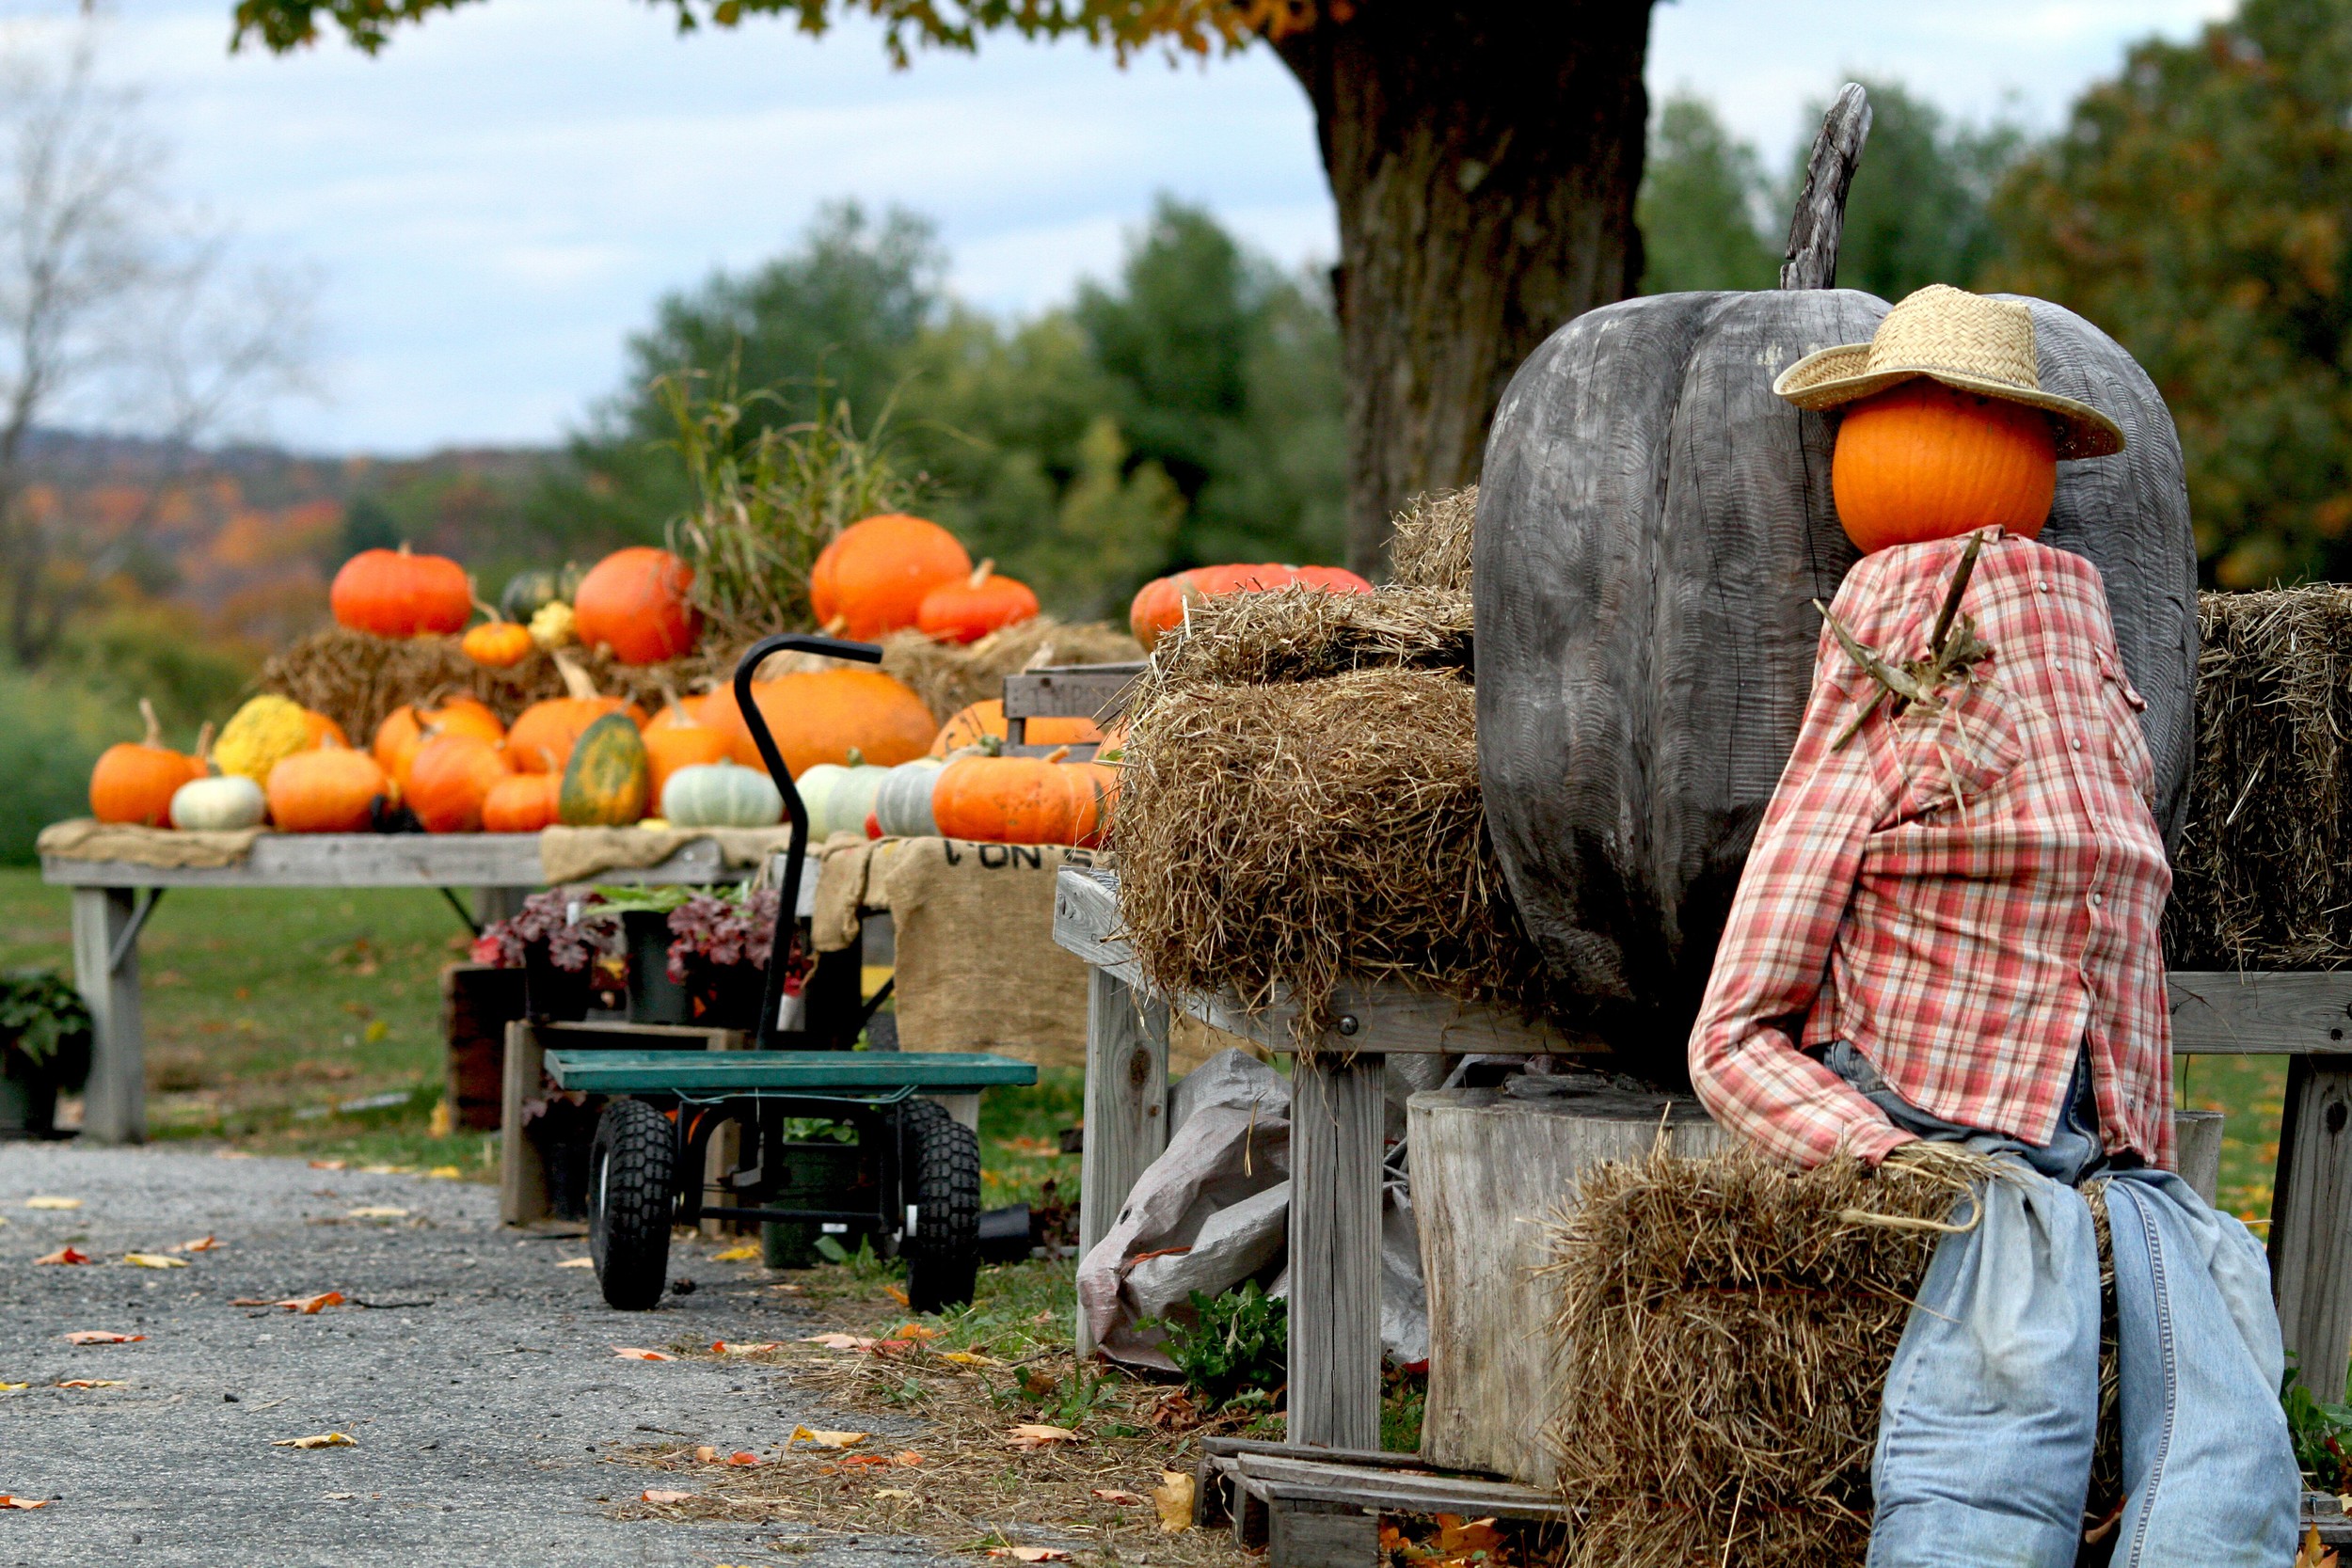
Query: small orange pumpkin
399, 594
1925, 461
545, 732
324, 731
330, 790
872, 578
497, 644
634, 602
135, 780
407, 727
1014, 800
521, 804
1158, 606
675, 739
967, 610
449, 780
973, 725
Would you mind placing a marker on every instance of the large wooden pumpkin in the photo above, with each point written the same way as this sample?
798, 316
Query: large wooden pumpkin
1652, 526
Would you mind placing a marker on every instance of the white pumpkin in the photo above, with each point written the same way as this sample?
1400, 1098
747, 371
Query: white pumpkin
720, 795
838, 798
224, 804
903, 805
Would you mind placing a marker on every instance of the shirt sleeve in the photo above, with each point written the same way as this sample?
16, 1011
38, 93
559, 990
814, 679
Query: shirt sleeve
1746, 1061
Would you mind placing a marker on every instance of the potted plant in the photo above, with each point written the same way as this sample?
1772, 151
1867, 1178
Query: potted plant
44, 1046
559, 945
718, 955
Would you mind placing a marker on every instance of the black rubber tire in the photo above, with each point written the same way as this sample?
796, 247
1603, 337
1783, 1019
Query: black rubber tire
941, 1164
629, 1203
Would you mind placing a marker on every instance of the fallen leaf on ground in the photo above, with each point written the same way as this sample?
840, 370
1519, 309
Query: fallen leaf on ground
52, 1203
232, 1154
7, 1501
310, 1306
825, 1439
378, 1212
740, 1347
443, 1173
317, 1440
838, 1341
1460, 1537
913, 1331
330, 1164
13, 1387
895, 1293
789, 1288
577, 1263
153, 1260
64, 1255
659, 1496
896, 1492
1030, 1554
203, 1243
744, 1456
1116, 1494
969, 1358
101, 1336
736, 1253
630, 1352
908, 1457
93, 1383
2310, 1554
1029, 1435
863, 1462
1173, 1496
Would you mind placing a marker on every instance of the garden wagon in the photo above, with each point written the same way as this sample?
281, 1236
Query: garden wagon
912, 1178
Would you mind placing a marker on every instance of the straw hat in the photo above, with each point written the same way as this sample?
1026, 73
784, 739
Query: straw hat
1961, 339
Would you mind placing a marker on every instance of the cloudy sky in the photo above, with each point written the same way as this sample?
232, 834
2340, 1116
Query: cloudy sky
495, 201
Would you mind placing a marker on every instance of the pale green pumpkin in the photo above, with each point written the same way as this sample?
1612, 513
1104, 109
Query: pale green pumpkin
224, 804
903, 803
720, 795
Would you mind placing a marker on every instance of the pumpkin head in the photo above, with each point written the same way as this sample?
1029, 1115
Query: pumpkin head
407, 727
450, 778
605, 782
873, 578
1014, 800
520, 803
497, 644
397, 594
973, 725
823, 714
720, 795
634, 602
968, 610
1653, 525
135, 781
545, 732
329, 790
1925, 461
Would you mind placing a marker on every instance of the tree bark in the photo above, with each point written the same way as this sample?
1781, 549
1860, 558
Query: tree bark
1484, 158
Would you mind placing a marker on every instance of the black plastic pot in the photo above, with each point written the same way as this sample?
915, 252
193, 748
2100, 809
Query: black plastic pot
726, 996
552, 994
29, 1107
815, 1176
653, 996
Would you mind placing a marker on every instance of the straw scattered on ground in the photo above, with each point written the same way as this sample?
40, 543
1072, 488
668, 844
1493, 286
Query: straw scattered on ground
1295, 634
1431, 542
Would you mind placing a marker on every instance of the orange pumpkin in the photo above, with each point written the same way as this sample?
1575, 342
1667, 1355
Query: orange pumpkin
397, 594
1095, 790
1332, 580
324, 731
1925, 461
675, 739
497, 644
1014, 800
545, 732
872, 578
327, 790
407, 727
521, 804
135, 781
634, 602
1158, 606
975, 724
969, 610
823, 714
449, 780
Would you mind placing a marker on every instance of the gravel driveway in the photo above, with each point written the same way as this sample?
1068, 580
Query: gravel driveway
478, 1382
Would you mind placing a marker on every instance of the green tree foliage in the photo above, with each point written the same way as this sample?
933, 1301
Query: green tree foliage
1701, 190
1918, 210
2196, 206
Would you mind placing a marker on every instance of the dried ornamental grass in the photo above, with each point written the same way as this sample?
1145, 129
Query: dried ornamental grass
1297, 634
1287, 835
1430, 544
1724, 1327
2263, 872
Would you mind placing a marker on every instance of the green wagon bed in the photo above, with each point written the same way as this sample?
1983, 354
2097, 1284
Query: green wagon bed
698, 1073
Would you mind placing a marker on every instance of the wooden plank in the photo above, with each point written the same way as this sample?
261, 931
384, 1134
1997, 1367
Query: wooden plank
1069, 691
2220, 1012
2196, 1151
1397, 1492
114, 1106
1126, 1106
1378, 1459
2310, 1221
1488, 1169
522, 1174
1302, 1533
384, 859
1336, 1116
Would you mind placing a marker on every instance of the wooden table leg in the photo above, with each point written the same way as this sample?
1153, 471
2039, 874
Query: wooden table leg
1336, 1123
1126, 1105
522, 1174
498, 903
114, 1108
2311, 1222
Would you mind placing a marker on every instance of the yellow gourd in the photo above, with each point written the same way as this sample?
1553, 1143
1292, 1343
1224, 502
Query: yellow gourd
260, 736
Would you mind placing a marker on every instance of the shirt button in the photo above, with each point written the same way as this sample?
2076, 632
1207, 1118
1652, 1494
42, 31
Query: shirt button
2076, 743
2044, 586
2096, 900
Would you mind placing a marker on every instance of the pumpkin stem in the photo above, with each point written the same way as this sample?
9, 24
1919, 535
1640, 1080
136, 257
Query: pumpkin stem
489, 613
670, 704
980, 573
835, 626
154, 726
205, 743
857, 758
1059, 753
576, 681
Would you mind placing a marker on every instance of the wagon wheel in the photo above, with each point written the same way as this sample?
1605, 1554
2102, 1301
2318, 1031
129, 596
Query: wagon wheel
940, 1158
629, 1168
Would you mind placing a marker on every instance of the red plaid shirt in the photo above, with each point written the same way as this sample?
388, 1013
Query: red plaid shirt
1969, 897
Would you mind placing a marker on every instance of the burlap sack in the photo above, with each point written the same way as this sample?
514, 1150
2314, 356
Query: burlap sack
583, 854
85, 838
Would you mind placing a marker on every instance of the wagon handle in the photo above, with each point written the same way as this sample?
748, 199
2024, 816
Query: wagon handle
787, 921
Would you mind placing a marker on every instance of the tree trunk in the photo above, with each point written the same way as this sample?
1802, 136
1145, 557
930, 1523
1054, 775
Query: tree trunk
1484, 159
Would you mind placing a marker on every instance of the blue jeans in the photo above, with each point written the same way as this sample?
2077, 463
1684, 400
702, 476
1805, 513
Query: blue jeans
1991, 1408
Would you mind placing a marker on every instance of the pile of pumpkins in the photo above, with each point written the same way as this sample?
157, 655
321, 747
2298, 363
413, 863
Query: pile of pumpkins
884, 574
1159, 605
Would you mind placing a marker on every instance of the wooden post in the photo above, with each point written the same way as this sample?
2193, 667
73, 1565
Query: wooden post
498, 903
2311, 1222
114, 1108
1126, 1105
1335, 1116
522, 1174
1819, 222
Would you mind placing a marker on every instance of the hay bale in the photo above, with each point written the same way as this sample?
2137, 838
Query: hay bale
950, 676
1292, 834
1294, 634
356, 678
1430, 543
2264, 869
1724, 1332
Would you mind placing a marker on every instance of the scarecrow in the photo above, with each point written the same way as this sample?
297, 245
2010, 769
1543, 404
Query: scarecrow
1948, 935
